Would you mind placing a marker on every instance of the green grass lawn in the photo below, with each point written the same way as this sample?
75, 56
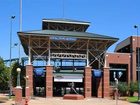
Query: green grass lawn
133, 99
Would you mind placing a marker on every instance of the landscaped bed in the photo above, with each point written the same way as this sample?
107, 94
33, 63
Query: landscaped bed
133, 99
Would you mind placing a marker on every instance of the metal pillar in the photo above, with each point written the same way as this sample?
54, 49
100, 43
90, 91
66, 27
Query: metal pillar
49, 58
29, 51
87, 55
105, 64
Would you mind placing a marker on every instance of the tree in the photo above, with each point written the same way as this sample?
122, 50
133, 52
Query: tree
4, 75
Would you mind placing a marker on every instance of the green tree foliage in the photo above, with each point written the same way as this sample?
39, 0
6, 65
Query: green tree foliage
4, 75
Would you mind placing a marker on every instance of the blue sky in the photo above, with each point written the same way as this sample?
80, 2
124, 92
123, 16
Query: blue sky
108, 17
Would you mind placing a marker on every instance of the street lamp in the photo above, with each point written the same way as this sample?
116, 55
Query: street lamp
137, 28
10, 79
18, 78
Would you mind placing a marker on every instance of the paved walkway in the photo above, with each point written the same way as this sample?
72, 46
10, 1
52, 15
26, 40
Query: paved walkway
90, 101
60, 101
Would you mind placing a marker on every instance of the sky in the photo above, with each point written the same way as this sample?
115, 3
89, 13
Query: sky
114, 18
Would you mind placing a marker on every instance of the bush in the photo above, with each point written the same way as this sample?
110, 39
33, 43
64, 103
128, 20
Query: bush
123, 88
137, 87
133, 87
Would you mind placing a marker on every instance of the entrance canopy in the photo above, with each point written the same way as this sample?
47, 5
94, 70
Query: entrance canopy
59, 39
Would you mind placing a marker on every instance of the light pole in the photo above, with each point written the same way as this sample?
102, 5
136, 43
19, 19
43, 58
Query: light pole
18, 78
11, 26
137, 28
10, 79
20, 26
18, 89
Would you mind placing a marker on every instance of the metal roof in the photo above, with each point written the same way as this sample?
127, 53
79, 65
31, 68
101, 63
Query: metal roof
70, 21
123, 43
84, 35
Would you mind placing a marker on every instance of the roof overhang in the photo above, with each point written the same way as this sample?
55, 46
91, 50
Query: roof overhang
83, 35
123, 44
46, 34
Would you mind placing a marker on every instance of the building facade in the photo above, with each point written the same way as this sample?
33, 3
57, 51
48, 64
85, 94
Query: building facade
76, 61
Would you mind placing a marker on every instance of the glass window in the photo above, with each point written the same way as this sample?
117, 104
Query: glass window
121, 75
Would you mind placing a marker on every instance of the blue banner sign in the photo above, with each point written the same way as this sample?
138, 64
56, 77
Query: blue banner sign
39, 71
97, 73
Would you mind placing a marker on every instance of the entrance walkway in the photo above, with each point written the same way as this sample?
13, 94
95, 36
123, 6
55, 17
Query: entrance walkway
90, 101
60, 101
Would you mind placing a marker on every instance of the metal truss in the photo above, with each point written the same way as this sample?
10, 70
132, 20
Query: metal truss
79, 44
38, 47
42, 47
97, 53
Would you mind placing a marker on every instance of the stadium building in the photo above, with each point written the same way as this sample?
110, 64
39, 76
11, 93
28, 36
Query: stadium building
76, 61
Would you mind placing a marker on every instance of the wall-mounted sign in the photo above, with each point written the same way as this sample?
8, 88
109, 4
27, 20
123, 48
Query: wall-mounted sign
68, 79
63, 38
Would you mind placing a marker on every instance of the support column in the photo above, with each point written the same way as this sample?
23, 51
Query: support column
87, 78
29, 73
99, 87
128, 73
133, 55
134, 67
18, 95
49, 81
27, 93
106, 82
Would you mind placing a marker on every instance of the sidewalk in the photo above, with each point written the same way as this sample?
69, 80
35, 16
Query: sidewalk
60, 101
89, 101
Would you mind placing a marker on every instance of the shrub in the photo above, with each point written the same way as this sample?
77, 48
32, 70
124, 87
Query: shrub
137, 87
123, 88
133, 87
